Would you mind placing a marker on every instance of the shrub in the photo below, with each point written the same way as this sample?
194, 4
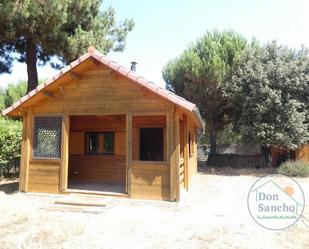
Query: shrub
10, 145
294, 168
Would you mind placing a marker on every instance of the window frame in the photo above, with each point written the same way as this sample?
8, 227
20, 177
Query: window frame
52, 159
100, 142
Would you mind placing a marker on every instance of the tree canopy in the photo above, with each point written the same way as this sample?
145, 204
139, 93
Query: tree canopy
33, 31
269, 92
200, 72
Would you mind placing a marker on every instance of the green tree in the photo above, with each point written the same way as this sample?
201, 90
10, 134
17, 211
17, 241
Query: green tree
14, 92
269, 90
2, 105
199, 74
37, 30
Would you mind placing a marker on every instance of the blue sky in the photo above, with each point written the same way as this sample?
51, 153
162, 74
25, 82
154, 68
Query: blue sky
163, 29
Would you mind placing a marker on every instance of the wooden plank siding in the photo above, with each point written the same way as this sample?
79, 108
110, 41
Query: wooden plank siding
150, 180
98, 168
192, 159
101, 92
303, 153
44, 176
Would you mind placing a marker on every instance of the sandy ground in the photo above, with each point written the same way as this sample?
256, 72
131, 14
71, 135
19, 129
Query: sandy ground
213, 214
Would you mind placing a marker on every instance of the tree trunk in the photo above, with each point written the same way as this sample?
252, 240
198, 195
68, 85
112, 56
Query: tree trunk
31, 60
213, 137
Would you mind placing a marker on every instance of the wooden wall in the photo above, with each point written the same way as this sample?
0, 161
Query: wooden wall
150, 180
106, 168
97, 167
303, 153
44, 176
192, 164
100, 92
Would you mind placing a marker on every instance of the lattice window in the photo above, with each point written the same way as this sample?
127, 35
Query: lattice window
47, 137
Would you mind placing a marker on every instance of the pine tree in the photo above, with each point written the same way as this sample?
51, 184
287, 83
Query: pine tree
33, 31
199, 74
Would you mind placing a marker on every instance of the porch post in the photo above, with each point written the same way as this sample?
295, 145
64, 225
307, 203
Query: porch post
128, 152
186, 150
177, 154
65, 153
26, 153
174, 151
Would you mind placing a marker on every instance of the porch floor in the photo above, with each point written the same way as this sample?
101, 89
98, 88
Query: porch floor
97, 186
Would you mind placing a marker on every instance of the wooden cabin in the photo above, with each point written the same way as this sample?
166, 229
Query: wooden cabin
280, 155
99, 128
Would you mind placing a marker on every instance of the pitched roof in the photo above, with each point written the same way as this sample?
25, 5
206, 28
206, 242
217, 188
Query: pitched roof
93, 53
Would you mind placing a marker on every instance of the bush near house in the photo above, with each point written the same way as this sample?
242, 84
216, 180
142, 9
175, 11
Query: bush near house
295, 168
10, 146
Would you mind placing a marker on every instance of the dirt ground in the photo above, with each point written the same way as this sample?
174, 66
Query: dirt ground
213, 214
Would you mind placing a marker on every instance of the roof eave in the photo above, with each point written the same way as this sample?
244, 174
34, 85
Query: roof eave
199, 118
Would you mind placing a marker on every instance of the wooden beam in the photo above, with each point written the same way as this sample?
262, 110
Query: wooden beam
186, 150
150, 113
22, 111
26, 153
171, 153
75, 76
176, 155
23, 156
64, 153
128, 151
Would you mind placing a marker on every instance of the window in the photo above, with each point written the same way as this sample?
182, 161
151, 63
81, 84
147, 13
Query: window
191, 145
151, 144
93, 143
100, 142
47, 137
108, 142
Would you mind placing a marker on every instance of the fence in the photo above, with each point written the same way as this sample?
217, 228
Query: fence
236, 161
11, 169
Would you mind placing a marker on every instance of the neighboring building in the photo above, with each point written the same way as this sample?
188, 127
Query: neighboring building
280, 155
97, 127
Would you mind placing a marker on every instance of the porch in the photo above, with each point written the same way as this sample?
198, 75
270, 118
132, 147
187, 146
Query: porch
102, 160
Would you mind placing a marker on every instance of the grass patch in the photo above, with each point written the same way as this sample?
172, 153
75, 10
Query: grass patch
295, 168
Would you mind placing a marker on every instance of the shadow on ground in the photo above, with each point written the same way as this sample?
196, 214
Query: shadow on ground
227, 171
9, 187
